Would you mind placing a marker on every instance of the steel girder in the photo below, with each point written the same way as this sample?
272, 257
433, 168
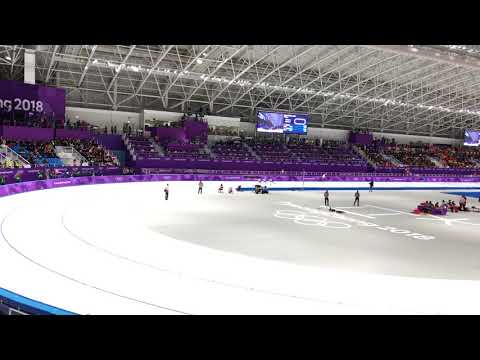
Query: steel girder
245, 70
387, 92
154, 66
90, 57
340, 86
217, 68
263, 78
315, 79
337, 68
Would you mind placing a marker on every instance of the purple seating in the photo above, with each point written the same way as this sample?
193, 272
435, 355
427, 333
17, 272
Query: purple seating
142, 148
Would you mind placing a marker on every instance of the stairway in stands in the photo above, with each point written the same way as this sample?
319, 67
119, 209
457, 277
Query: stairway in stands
69, 156
252, 152
157, 147
364, 156
436, 161
8, 157
392, 159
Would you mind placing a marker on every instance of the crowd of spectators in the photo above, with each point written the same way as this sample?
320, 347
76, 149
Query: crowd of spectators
42, 153
193, 150
231, 150
411, 155
421, 155
30, 119
223, 131
127, 129
373, 154
37, 122
44, 121
94, 153
458, 157
7, 163
78, 124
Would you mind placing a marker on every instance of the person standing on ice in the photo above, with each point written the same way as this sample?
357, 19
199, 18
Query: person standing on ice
200, 187
166, 191
371, 186
326, 194
357, 199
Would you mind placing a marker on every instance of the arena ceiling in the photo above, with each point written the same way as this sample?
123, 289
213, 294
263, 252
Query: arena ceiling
427, 90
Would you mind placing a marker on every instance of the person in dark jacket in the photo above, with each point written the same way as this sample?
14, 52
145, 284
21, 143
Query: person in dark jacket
357, 199
166, 191
326, 195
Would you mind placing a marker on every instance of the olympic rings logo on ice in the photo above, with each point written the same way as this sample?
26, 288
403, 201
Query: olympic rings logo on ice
302, 218
310, 217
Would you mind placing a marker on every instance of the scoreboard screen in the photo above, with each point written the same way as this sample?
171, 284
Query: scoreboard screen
282, 123
295, 124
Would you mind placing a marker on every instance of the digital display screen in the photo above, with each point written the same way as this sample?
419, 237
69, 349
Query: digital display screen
295, 124
272, 122
472, 138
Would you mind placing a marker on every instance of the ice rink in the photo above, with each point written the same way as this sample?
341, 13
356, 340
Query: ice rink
123, 249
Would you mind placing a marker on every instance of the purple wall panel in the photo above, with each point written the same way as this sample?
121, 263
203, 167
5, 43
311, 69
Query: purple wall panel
73, 134
27, 133
43, 134
363, 139
196, 129
190, 129
177, 134
111, 142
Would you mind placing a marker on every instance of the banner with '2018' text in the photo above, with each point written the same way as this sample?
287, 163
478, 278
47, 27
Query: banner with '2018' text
36, 99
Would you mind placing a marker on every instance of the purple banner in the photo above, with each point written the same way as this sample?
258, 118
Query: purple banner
27, 133
35, 99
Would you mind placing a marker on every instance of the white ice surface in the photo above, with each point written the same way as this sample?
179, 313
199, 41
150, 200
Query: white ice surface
90, 250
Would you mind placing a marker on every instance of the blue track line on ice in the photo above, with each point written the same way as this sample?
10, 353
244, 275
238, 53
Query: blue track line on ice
472, 194
362, 188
